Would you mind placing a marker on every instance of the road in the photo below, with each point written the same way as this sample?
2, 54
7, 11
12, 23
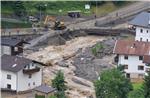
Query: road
122, 13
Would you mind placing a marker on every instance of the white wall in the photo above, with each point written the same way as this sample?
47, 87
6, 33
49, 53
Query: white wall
5, 50
24, 80
4, 81
143, 35
132, 62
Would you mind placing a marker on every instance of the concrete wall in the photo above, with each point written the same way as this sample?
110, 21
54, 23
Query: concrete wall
145, 35
4, 81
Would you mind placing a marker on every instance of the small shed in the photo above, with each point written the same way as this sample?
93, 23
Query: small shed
74, 14
44, 90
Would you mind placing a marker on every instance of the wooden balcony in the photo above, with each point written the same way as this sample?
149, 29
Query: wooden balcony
30, 71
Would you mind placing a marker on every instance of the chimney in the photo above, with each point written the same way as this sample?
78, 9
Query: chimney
134, 45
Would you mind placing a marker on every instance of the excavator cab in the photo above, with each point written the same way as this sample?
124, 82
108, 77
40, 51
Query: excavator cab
51, 22
59, 25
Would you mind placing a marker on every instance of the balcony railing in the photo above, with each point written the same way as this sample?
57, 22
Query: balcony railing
30, 71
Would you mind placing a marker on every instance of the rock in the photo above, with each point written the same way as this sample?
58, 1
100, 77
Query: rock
63, 64
80, 82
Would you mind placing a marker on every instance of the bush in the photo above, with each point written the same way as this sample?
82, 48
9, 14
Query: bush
96, 48
52, 97
39, 96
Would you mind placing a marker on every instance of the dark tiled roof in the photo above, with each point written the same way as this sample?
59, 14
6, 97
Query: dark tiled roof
130, 47
10, 41
147, 59
13, 63
141, 20
45, 89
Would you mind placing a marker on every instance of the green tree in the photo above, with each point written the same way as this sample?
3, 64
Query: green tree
112, 84
60, 94
52, 97
19, 9
59, 83
147, 86
96, 2
119, 3
137, 93
40, 6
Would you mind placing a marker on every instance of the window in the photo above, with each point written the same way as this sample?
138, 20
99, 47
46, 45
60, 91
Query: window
125, 66
147, 31
141, 30
9, 77
126, 57
140, 39
16, 49
147, 40
140, 57
128, 75
28, 84
140, 67
8, 86
33, 83
30, 76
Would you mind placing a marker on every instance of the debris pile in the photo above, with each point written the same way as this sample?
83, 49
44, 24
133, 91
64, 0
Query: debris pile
88, 65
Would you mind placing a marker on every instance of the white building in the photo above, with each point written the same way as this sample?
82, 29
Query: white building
142, 26
20, 74
134, 56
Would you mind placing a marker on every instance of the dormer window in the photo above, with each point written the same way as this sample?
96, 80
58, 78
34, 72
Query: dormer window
141, 30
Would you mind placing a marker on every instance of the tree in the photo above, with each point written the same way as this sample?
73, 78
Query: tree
59, 83
147, 86
118, 3
137, 93
40, 6
112, 84
96, 2
19, 9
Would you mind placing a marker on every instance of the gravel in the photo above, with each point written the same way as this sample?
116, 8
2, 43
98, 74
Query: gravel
88, 66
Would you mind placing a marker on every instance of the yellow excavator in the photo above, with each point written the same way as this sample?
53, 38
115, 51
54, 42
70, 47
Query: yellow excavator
51, 22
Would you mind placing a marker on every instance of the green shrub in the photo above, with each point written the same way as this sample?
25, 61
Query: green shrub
39, 96
96, 48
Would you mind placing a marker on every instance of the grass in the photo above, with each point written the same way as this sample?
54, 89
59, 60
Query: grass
136, 92
137, 85
6, 24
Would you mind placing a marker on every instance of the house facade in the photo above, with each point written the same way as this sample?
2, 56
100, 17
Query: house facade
20, 74
141, 24
11, 46
134, 55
